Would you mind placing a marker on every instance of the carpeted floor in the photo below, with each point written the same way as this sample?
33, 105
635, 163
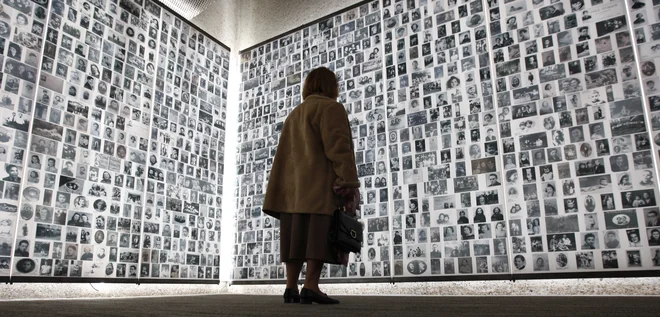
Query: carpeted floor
356, 306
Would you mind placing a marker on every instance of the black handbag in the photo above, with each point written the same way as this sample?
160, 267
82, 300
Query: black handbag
345, 232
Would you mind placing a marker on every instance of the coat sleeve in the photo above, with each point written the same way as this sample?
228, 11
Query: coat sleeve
338, 144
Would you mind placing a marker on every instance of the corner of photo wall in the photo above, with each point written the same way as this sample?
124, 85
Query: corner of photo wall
230, 181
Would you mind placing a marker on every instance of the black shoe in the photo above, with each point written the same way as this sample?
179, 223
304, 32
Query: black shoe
291, 296
308, 296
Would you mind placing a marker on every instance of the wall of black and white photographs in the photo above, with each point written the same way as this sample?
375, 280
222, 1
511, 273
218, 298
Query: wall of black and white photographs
22, 29
580, 181
572, 185
107, 170
184, 185
351, 44
645, 18
114, 129
448, 216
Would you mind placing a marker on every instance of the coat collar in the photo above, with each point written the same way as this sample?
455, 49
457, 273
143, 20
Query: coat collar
315, 96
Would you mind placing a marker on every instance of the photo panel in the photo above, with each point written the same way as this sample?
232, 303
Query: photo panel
82, 205
181, 237
645, 21
578, 163
350, 44
22, 26
443, 140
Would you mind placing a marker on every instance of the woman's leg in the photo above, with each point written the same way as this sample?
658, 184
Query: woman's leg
293, 268
313, 274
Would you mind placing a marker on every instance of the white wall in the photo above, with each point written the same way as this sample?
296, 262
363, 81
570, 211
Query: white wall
259, 20
220, 20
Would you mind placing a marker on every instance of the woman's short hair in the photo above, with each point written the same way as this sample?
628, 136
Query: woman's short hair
321, 81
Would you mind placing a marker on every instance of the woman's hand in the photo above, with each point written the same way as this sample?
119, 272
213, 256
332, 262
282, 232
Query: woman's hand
345, 192
352, 197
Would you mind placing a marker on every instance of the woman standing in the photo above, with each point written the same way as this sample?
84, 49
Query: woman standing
315, 160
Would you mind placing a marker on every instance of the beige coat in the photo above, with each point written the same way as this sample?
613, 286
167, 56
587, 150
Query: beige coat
315, 152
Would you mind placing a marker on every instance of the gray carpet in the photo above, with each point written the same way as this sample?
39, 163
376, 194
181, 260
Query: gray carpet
250, 305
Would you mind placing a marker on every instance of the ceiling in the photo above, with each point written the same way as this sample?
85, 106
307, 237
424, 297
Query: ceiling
187, 8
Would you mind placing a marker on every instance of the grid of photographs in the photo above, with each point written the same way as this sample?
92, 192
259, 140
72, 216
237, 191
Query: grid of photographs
181, 236
113, 159
21, 36
575, 164
351, 45
93, 203
578, 162
645, 20
81, 209
448, 214
22, 26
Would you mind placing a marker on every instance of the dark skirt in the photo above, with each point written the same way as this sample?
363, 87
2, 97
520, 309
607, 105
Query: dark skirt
305, 237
